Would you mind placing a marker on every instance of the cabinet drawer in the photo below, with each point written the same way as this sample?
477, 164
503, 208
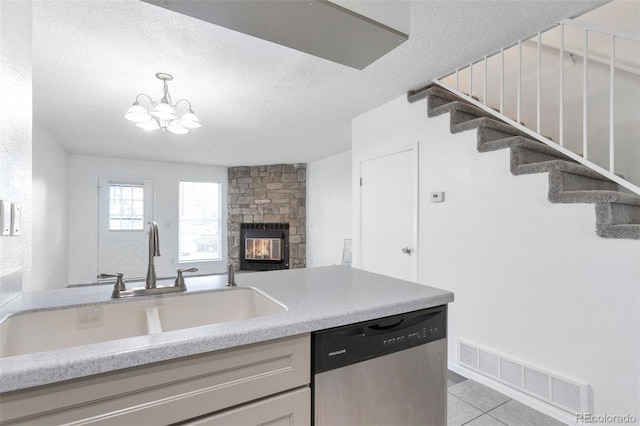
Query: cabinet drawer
167, 392
289, 409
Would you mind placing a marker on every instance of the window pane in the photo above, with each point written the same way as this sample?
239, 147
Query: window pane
199, 234
126, 193
137, 208
138, 193
126, 207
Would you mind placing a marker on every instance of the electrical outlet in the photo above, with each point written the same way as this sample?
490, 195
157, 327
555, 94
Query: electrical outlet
89, 317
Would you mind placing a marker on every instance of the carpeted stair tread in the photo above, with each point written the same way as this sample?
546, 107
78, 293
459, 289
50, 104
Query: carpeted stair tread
486, 122
599, 196
521, 142
566, 187
616, 220
435, 90
429, 90
492, 123
559, 165
490, 129
626, 231
617, 213
458, 107
438, 98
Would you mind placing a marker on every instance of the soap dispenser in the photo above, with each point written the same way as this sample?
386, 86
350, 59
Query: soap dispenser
231, 272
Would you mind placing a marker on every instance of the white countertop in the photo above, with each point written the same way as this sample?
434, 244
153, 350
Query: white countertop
316, 299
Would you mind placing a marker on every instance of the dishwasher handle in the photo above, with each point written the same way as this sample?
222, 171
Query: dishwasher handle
393, 325
380, 327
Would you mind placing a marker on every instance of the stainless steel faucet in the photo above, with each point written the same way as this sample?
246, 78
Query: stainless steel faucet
120, 290
154, 250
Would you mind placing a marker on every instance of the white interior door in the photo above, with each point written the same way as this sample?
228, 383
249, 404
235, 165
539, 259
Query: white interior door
389, 214
125, 207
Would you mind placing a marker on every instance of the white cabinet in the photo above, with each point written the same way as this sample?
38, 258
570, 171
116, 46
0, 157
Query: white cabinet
179, 390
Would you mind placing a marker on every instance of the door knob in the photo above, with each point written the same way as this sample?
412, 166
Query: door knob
407, 250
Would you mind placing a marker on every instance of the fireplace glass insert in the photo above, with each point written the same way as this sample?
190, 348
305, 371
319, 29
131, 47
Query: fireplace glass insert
264, 246
262, 249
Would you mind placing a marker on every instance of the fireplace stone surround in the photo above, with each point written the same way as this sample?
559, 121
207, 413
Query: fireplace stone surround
268, 194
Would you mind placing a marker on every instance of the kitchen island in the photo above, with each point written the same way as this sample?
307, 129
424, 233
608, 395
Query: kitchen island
314, 298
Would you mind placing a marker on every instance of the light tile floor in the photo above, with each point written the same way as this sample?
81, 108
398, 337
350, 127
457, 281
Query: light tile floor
472, 404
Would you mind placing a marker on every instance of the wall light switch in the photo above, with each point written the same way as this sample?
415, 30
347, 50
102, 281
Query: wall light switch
437, 197
15, 219
5, 217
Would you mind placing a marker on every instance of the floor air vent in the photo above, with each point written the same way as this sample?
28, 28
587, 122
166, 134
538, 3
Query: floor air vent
567, 394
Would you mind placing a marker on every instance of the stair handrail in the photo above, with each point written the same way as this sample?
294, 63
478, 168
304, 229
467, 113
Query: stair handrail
536, 134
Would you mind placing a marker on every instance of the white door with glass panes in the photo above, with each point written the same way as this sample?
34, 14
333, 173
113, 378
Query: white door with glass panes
389, 214
125, 208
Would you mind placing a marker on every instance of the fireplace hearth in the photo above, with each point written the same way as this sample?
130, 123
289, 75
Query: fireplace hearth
264, 246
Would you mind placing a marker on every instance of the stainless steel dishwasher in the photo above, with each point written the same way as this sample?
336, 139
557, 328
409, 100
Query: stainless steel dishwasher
386, 372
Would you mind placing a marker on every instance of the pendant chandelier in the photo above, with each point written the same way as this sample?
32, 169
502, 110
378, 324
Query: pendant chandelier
164, 115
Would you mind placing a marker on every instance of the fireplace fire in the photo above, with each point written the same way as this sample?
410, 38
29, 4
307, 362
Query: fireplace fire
263, 249
264, 246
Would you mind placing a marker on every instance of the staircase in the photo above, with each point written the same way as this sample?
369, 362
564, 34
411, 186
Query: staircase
617, 211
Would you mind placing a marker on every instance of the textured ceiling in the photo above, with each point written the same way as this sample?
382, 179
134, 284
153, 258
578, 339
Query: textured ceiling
259, 102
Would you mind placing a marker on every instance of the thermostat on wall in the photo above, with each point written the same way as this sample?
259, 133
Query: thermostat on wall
437, 197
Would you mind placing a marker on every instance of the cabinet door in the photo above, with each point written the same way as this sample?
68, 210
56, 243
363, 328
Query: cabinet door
289, 409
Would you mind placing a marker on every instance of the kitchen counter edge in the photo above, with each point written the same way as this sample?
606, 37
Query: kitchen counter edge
316, 299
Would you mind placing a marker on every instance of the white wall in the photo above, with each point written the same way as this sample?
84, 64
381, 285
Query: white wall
15, 127
50, 249
328, 209
83, 210
532, 281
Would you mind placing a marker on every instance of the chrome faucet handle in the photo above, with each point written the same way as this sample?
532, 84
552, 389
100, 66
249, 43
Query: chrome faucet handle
118, 286
180, 279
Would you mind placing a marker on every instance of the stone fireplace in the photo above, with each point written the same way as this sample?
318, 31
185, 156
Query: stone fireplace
267, 217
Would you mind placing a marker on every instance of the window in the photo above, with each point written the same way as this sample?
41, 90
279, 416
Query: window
199, 227
126, 207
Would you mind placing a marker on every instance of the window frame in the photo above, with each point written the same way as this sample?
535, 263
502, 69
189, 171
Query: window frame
129, 183
219, 206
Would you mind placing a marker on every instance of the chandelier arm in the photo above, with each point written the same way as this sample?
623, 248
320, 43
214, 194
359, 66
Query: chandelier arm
144, 94
183, 100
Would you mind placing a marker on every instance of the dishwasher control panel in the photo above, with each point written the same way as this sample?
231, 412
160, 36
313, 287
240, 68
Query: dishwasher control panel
427, 333
349, 344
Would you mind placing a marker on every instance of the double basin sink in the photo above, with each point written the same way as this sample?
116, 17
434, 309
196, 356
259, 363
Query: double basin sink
31, 332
